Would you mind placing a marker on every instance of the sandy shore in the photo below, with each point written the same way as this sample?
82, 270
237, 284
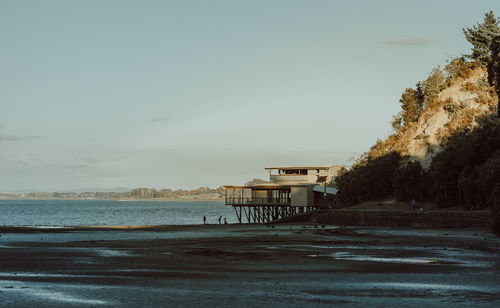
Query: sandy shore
248, 265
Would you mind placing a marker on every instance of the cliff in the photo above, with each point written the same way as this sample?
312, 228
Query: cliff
462, 97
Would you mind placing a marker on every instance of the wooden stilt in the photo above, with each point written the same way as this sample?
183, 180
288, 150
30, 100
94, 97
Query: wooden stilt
238, 215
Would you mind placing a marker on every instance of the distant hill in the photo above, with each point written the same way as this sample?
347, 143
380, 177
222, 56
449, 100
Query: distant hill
202, 193
76, 190
256, 181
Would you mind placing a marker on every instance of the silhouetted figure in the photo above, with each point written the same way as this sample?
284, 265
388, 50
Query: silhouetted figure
225, 221
413, 204
204, 220
220, 217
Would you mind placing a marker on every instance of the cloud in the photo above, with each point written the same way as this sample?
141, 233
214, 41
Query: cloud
19, 138
100, 160
410, 41
157, 120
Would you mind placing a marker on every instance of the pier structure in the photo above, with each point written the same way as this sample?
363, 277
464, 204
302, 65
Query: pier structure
290, 191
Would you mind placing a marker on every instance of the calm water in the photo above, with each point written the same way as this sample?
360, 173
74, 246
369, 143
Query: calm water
110, 212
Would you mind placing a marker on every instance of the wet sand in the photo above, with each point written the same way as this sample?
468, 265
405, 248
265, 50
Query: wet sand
248, 265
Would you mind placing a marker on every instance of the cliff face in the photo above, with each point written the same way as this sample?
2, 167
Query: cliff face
461, 101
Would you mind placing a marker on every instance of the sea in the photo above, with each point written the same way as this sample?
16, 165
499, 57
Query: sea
59, 213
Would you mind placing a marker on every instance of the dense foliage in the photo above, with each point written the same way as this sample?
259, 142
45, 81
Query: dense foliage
382, 177
466, 172
410, 181
468, 169
368, 181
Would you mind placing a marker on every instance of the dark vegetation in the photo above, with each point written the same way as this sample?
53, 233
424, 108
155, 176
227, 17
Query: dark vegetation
466, 171
370, 181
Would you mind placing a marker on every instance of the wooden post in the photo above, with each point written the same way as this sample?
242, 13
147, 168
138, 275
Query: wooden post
238, 216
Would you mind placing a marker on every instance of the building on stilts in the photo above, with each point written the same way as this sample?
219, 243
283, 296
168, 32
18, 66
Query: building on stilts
290, 191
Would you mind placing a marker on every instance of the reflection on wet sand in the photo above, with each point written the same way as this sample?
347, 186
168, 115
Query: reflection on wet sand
43, 294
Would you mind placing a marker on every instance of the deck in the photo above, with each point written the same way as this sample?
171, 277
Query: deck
238, 201
263, 210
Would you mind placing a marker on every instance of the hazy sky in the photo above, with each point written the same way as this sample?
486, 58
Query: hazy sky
183, 94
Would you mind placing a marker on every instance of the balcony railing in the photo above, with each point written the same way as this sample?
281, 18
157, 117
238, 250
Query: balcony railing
257, 201
288, 178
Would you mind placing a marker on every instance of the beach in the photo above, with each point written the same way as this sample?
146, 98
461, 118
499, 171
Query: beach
248, 265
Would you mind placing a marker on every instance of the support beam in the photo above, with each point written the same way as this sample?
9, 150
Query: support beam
238, 215
265, 213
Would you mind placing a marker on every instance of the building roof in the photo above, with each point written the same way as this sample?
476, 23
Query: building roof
329, 190
270, 185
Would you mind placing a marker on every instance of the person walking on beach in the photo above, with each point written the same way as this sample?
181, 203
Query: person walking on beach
204, 220
225, 221
220, 217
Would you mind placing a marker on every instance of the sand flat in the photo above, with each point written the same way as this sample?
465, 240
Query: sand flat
250, 265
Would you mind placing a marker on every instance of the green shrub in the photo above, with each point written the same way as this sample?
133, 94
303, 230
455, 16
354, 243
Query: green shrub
459, 68
450, 106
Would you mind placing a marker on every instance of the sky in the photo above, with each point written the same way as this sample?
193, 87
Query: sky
183, 94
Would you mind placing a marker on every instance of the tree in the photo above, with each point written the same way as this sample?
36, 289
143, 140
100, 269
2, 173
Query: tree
430, 88
410, 105
397, 122
481, 36
485, 47
494, 68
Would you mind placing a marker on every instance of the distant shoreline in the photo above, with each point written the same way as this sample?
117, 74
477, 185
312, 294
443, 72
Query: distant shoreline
174, 200
113, 199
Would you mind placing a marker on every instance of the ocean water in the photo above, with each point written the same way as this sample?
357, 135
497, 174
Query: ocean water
55, 213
